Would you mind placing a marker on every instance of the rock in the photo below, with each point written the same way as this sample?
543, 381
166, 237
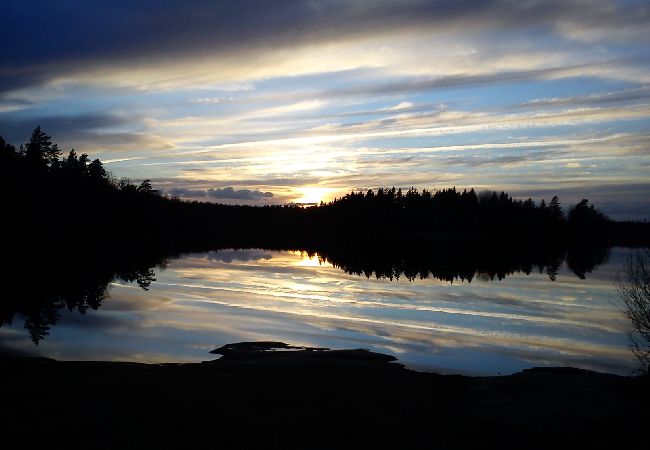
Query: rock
280, 354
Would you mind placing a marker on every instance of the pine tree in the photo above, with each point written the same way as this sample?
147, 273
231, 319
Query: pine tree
96, 170
555, 209
40, 150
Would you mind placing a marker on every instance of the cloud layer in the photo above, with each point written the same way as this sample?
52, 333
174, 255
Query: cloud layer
259, 102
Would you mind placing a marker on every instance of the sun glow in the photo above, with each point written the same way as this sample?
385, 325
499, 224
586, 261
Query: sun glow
313, 195
310, 261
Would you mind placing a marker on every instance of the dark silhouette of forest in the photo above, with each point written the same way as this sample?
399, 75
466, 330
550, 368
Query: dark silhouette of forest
71, 228
56, 200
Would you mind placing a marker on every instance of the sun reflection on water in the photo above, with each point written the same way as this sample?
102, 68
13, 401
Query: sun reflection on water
208, 300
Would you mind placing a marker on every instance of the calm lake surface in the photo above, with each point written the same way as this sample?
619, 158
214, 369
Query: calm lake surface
202, 301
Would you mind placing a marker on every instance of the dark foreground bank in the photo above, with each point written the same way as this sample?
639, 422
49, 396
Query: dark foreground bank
254, 397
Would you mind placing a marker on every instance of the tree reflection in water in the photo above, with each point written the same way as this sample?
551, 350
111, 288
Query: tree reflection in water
39, 287
462, 262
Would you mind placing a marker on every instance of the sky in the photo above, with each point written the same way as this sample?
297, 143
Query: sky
271, 102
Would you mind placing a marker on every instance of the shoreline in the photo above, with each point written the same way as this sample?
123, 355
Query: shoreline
315, 398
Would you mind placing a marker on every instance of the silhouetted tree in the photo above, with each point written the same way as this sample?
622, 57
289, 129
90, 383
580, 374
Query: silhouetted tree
145, 187
586, 221
83, 164
96, 170
554, 208
8, 152
71, 162
40, 150
634, 290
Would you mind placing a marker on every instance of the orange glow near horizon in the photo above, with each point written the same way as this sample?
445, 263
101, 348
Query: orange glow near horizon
314, 194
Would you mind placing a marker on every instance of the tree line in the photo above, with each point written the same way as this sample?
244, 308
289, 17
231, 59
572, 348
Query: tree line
450, 211
72, 202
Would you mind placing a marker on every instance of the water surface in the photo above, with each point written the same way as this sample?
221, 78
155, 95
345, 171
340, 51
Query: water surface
485, 326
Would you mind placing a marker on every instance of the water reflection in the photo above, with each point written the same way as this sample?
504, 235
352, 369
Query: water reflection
449, 315
41, 289
464, 262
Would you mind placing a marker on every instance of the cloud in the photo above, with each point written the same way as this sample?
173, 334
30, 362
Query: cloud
98, 134
229, 193
60, 127
399, 107
151, 33
477, 160
197, 182
212, 100
598, 99
15, 104
429, 124
244, 255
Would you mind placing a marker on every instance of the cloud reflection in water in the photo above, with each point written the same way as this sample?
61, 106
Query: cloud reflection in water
201, 301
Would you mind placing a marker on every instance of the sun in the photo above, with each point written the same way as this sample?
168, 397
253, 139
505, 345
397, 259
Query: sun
313, 195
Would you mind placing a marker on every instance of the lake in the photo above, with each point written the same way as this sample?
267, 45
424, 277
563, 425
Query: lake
484, 326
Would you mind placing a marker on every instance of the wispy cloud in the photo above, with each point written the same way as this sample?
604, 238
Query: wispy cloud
145, 36
275, 97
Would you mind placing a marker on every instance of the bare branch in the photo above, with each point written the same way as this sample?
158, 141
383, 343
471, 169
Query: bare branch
634, 290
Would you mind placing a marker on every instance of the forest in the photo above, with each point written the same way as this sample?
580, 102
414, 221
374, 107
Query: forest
68, 201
